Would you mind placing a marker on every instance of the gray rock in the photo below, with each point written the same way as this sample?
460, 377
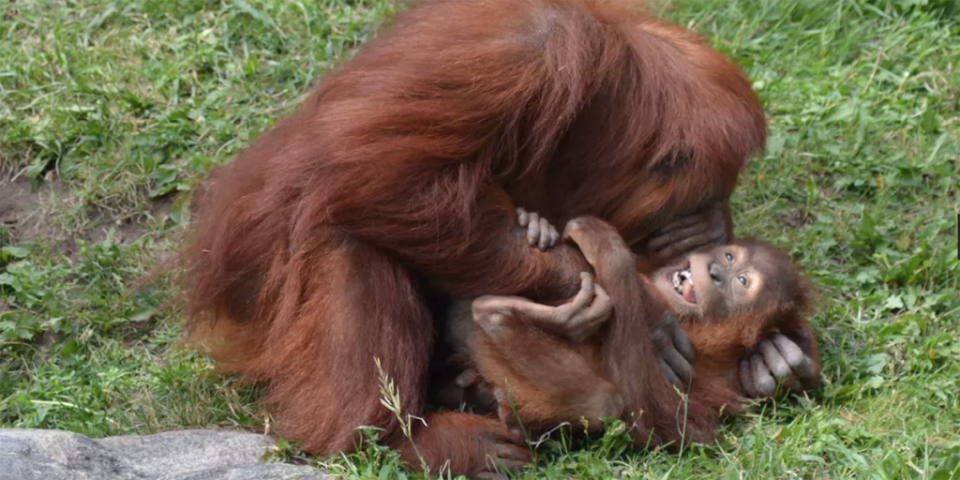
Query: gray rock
275, 471
180, 455
43, 454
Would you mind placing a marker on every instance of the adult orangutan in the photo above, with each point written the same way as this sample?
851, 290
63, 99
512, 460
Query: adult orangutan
553, 364
337, 236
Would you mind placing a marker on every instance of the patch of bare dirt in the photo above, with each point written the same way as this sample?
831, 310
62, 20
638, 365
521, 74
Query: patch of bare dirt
22, 215
21, 210
127, 227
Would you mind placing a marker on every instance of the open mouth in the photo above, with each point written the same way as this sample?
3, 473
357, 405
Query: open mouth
683, 284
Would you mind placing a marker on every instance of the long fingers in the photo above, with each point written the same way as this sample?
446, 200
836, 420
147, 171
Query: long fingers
762, 380
687, 221
680, 340
546, 235
504, 455
746, 378
679, 365
584, 319
677, 368
774, 359
514, 455
596, 313
523, 218
540, 233
689, 244
601, 304
584, 296
664, 239
533, 229
799, 363
669, 373
778, 359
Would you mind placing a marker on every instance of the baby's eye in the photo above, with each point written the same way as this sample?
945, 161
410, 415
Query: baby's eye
743, 280
729, 257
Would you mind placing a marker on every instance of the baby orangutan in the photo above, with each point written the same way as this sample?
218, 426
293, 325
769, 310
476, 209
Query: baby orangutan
595, 356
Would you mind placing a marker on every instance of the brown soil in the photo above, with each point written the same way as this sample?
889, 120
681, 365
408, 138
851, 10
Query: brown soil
24, 219
21, 213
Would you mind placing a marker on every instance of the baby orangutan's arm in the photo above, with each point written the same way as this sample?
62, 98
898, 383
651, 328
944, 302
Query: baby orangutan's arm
535, 352
541, 380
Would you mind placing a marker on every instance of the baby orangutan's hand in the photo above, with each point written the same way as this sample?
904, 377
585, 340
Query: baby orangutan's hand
540, 233
778, 361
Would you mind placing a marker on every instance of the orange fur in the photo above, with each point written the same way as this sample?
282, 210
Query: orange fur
616, 373
317, 249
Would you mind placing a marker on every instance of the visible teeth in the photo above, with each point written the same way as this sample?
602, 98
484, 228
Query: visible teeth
679, 278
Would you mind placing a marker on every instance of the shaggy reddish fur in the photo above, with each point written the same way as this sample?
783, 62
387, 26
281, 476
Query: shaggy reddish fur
616, 373
317, 248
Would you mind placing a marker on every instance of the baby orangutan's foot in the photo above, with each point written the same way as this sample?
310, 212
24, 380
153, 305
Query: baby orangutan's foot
575, 320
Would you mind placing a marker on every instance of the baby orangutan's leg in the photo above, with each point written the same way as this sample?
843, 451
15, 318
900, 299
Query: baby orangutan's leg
616, 267
575, 321
541, 380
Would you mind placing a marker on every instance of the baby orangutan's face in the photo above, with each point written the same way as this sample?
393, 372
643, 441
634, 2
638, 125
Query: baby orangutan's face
720, 282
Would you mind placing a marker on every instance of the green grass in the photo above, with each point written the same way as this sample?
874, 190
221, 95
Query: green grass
111, 109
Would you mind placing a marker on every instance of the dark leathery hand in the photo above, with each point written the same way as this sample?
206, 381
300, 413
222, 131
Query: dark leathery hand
505, 453
673, 350
778, 360
695, 231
